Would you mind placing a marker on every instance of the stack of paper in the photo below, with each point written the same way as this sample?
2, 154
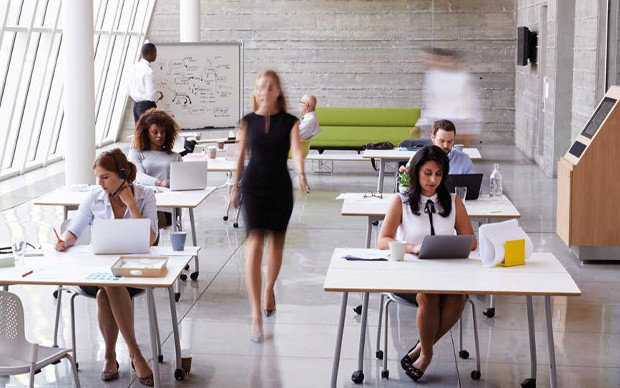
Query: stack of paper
492, 238
366, 254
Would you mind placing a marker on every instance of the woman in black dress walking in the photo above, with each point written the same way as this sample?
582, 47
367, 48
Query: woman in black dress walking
267, 135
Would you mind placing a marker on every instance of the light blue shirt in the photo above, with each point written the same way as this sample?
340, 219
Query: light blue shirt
97, 205
460, 162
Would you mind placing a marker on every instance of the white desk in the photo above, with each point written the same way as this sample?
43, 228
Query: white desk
396, 155
51, 269
165, 199
542, 275
327, 160
375, 208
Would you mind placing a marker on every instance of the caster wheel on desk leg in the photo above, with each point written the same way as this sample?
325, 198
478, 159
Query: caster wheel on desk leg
179, 374
358, 377
464, 354
186, 267
225, 218
160, 358
358, 310
379, 354
529, 383
177, 296
55, 293
490, 312
194, 276
475, 374
183, 277
385, 374
77, 366
235, 225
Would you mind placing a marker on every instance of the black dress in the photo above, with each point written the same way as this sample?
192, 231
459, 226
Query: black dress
266, 187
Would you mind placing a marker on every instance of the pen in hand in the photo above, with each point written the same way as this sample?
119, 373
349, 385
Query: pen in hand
57, 236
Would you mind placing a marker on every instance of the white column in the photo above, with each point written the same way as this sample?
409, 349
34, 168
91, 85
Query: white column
79, 90
189, 20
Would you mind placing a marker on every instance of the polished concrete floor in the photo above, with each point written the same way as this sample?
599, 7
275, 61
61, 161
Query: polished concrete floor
214, 311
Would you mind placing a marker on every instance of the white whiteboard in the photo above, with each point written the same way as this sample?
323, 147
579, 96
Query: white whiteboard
201, 82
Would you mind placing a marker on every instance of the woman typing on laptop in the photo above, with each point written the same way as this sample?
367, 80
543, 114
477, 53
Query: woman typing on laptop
427, 208
154, 137
116, 197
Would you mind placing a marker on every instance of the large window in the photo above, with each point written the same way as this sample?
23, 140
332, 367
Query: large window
31, 79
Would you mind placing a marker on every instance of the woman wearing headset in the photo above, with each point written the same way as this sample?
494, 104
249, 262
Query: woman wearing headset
116, 197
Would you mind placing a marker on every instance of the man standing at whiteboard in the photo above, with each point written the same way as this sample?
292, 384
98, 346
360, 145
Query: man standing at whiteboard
142, 82
308, 126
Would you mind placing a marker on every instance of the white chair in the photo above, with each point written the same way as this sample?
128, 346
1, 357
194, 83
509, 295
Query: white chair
76, 291
18, 355
382, 354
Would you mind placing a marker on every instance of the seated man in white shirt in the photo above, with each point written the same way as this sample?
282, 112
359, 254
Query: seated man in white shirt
308, 126
142, 82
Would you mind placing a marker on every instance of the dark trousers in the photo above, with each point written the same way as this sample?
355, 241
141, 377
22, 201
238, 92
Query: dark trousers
140, 107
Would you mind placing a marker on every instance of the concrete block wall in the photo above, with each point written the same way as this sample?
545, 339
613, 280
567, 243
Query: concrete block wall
365, 53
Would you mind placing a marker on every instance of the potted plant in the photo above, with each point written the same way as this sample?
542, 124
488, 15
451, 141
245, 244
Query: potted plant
403, 179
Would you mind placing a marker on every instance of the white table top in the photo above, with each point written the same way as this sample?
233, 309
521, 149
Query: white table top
74, 266
65, 196
543, 274
484, 207
350, 157
397, 154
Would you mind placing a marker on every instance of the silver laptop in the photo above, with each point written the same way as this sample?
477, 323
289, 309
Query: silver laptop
188, 175
446, 247
121, 236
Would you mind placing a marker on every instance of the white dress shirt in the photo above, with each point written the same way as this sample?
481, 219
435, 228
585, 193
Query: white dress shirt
142, 82
308, 126
97, 205
414, 228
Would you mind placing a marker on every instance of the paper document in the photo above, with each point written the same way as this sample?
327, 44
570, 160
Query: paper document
492, 238
366, 254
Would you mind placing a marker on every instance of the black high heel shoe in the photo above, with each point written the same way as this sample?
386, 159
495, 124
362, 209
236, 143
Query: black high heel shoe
269, 312
407, 362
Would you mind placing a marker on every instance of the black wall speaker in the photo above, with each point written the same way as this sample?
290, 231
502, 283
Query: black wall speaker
527, 42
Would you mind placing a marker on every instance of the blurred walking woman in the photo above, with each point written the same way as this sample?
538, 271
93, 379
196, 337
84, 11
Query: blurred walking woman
265, 187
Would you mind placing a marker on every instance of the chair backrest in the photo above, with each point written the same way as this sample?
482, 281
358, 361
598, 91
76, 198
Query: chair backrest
305, 149
11, 321
84, 239
415, 143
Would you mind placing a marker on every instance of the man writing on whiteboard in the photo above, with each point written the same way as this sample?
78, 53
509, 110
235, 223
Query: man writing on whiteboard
142, 82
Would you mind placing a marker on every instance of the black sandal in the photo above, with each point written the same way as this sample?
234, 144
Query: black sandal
407, 362
414, 373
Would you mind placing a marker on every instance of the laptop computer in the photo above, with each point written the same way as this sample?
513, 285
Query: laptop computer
121, 236
471, 181
446, 247
188, 175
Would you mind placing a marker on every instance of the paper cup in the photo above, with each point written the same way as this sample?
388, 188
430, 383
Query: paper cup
178, 240
186, 364
397, 250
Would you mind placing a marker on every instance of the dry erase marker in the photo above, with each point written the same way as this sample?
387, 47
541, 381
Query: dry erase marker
27, 273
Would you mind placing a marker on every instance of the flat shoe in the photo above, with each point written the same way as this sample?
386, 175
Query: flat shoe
414, 373
407, 362
110, 376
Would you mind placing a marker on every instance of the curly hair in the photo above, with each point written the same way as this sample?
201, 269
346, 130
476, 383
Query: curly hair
281, 102
115, 161
426, 154
141, 140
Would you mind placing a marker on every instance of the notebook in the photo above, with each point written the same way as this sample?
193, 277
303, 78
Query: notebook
121, 236
446, 247
471, 181
188, 175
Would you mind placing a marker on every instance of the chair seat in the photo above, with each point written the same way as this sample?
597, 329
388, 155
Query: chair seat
46, 356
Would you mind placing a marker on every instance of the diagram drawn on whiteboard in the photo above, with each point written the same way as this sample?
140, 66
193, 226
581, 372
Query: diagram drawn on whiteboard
200, 84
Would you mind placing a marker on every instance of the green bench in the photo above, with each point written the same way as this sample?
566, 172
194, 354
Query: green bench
353, 127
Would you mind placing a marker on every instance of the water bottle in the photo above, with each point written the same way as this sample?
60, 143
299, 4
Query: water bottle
496, 188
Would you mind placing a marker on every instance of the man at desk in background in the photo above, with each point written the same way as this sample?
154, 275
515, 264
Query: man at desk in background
442, 135
308, 126
142, 82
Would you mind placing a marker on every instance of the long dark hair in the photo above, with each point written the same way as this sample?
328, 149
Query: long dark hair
425, 154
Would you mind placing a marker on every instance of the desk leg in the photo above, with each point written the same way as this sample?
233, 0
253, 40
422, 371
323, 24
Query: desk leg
153, 334
552, 370
358, 375
368, 232
531, 381
194, 275
65, 212
179, 374
381, 176
336, 363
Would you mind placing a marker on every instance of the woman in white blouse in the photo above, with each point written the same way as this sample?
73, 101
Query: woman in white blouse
116, 197
427, 208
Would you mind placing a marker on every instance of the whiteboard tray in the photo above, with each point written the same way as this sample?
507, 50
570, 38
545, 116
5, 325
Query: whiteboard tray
140, 266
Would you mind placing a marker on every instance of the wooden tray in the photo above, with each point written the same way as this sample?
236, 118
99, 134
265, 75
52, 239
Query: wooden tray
140, 266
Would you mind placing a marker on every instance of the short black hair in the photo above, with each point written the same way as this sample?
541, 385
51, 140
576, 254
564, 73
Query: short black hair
148, 49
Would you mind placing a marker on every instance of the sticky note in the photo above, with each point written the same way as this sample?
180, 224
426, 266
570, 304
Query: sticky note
514, 253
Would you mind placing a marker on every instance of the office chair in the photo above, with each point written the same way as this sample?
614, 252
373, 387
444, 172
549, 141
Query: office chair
17, 354
76, 291
382, 354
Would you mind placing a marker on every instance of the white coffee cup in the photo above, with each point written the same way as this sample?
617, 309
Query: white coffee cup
397, 250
